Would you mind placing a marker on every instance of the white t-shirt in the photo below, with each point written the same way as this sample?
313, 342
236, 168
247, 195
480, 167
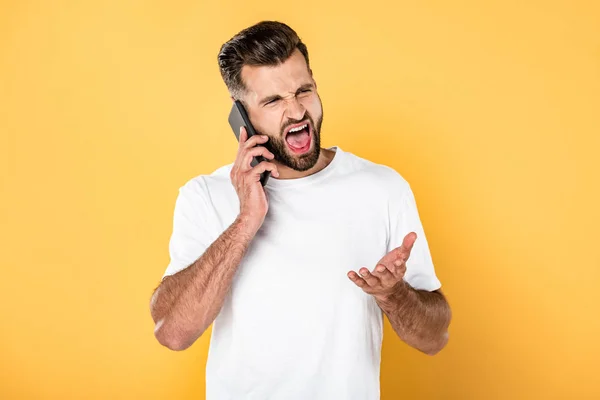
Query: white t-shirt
294, 326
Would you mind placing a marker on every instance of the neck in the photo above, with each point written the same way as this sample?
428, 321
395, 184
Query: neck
325, 157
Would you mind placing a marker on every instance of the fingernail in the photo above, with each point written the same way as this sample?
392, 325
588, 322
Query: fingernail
363, 273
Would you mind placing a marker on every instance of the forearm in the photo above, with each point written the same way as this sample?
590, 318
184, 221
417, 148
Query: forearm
186, 303
420, 318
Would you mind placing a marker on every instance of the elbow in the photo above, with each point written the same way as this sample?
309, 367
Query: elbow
439, 342
172, 341
431, 352
166, 339
437, 346
174, 333
163, 331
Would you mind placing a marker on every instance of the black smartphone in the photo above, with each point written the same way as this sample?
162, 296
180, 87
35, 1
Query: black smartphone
238, 117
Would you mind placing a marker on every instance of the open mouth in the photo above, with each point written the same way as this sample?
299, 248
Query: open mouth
298, 137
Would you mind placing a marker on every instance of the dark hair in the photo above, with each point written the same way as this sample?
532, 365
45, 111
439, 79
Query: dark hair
265, 43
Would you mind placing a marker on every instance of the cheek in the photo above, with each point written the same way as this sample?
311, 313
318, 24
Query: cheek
313, 106
268, 123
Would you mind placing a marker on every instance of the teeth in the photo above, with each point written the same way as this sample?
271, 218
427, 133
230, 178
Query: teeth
298, 128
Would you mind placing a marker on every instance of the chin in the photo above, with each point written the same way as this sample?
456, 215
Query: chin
306, 159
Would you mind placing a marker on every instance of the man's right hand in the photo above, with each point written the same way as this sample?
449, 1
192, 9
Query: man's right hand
246, 179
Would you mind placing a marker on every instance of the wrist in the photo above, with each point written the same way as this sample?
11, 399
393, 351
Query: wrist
250, 224
398, 295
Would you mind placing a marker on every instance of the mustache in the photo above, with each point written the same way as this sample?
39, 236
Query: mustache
290, 122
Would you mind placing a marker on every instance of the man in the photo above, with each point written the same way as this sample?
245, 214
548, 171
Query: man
273, 267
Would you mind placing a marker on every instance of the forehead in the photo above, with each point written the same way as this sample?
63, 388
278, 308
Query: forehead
280, 79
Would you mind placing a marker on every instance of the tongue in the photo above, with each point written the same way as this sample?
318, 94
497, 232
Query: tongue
298, 140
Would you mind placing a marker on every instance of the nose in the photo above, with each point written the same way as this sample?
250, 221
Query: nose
295, 109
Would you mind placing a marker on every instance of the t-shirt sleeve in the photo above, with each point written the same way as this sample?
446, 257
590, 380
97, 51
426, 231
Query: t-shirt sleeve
404, 218
191, 235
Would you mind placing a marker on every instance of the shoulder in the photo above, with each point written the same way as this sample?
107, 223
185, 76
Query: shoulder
376, 176
204, 184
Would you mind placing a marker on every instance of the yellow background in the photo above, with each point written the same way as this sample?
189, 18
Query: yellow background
490, 109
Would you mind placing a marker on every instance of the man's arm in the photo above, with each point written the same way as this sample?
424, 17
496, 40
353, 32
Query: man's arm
185, 304
420, 318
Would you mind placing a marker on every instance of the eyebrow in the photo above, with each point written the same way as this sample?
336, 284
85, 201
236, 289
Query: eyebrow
277, 97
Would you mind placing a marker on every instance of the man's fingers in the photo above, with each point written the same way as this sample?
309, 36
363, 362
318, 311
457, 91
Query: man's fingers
403, 252
261, 167
250, 148
253, 152
371, 279
399, 270
360, 282
260, 151
253, 141
386, 276
395, 260
408, 242
246, 142
243, 136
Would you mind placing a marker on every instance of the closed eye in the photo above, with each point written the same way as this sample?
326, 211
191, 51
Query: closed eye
275, 99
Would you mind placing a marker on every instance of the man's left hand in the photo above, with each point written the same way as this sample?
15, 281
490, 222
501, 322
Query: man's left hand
387, 276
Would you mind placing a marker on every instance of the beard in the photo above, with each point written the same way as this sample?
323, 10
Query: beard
302, 162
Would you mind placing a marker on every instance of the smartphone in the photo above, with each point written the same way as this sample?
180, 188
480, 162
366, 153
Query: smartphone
238, 117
